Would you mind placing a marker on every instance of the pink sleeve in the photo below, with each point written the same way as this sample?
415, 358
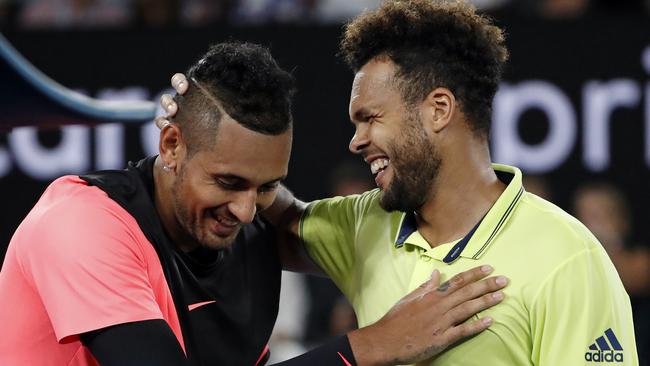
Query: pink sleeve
88, 266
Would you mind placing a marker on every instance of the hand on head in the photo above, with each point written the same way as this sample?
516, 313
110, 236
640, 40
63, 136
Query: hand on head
180, 84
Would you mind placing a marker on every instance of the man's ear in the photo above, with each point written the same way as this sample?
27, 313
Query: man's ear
439, 107
172, 146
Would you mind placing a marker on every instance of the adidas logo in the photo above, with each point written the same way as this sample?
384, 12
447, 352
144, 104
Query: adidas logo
603, 351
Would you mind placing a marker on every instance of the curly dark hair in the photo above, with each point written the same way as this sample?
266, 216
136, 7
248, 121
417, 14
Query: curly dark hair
433, 44
246, 82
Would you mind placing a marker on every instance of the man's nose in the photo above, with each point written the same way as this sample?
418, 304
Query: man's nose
360, 140
244, 206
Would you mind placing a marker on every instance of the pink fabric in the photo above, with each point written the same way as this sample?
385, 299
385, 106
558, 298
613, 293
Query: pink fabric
78, 262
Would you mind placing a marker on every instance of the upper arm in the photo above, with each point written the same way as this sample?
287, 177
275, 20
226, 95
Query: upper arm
318, 237
329, 233
577, 304
88, 268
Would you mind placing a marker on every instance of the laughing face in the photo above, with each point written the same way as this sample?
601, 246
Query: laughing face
219, 190
391, 138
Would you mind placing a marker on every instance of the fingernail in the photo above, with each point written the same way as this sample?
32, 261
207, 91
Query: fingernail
487, 269
497, 295
501, 281
180, 84
487, 320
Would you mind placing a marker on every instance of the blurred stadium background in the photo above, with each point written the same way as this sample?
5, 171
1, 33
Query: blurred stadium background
573, 112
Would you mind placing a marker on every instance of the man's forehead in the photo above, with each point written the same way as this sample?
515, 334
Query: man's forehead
254, 170
374, 73
371, 82
241, 150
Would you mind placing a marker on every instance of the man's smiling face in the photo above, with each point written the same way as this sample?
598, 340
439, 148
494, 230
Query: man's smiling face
218, 190
391, 138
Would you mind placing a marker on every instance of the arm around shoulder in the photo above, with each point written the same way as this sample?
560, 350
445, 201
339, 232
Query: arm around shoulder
285, 214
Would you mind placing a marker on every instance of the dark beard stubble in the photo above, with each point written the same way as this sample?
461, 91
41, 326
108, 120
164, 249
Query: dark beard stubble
415, 163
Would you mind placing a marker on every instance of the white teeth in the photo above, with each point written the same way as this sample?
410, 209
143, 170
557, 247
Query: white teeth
226, 221
223, 220
378, 164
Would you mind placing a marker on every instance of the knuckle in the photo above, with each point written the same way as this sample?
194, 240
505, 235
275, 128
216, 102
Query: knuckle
469, 292
455, 334
465, 310
438, 332
458, 315
444, 287
469, 309
467, 277
469, 329
484, 286
463, 330
458, 279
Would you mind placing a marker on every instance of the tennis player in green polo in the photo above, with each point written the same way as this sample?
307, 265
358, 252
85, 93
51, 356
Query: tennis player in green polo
425, 76
426, 73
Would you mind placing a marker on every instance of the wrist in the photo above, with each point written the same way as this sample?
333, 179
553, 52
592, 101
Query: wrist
366, 347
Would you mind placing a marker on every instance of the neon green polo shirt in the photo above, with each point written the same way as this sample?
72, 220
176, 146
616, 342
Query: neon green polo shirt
565, 304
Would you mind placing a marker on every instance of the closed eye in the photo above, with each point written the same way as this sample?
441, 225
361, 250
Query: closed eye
230, 184
237, 185
269, 187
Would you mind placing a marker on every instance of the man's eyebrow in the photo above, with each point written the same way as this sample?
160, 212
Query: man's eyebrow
227, 176
361, 114
276, 180
238, 178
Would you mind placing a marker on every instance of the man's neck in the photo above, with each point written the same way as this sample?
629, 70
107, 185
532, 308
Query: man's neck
465, 189
164, 201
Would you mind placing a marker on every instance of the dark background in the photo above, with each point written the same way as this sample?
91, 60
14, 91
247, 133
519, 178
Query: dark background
567, 54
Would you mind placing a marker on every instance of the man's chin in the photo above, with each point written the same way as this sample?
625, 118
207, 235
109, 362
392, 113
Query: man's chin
387, 201
219, 242
391, 201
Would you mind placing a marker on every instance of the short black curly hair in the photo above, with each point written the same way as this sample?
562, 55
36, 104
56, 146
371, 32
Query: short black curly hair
433, 43
246, 82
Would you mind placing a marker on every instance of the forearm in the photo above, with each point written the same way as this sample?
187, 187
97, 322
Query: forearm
335, 352
285, 215
149, 342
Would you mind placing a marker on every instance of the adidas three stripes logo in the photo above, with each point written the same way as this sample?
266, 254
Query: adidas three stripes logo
606, 348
